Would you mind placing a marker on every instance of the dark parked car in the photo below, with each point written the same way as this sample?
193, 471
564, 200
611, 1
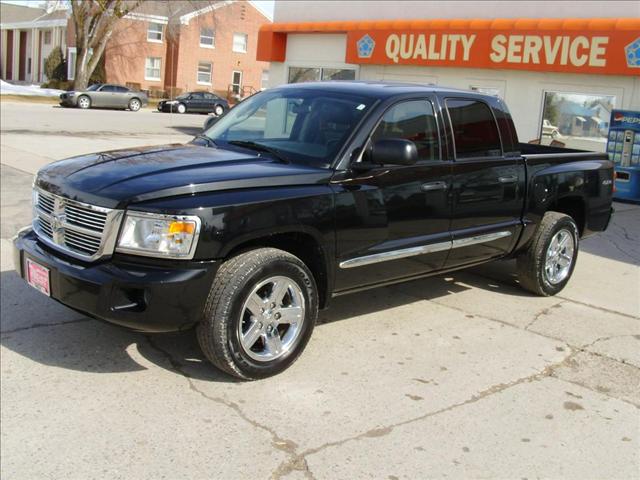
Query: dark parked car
297, 195
105, 96
195, 102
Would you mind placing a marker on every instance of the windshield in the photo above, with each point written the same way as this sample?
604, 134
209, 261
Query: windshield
300, 124
93, 87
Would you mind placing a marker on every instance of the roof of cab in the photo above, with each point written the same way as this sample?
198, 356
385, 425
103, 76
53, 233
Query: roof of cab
379, 89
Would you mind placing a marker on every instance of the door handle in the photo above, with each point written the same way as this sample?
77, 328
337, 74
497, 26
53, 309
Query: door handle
433, 186
508, 179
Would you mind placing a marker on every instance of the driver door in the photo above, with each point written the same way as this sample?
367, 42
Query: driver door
392, 220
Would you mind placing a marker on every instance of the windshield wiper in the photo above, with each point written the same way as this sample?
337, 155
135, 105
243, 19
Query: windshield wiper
260, 148
210, 142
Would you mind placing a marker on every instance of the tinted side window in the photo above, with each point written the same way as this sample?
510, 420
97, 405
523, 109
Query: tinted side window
121, 89
475, 133
413, 120
108, 88
196, 96
209, 96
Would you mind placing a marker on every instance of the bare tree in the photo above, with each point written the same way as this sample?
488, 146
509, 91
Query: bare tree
94, 21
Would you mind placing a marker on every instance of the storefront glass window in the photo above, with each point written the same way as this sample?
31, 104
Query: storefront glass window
299, 75
338, 74
575, 120
315, 74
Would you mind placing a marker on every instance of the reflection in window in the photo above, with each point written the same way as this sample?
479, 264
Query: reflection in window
574, 120
475, 133
413, 121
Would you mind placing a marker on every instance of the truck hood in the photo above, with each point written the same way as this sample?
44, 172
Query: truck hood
116, 178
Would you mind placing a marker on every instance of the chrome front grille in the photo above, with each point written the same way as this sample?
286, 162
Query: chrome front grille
78, 229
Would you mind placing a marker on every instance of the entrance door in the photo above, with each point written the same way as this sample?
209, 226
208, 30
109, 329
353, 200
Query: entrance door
488, 187
393, 221
9, 72
236, 82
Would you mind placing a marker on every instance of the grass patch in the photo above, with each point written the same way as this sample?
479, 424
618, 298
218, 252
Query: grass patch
30, 99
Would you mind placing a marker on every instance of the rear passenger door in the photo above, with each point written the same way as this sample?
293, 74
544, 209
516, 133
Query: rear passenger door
393, 220
487, 184
197, 102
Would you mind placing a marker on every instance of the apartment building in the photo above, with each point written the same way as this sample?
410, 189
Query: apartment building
27, 36
162, 46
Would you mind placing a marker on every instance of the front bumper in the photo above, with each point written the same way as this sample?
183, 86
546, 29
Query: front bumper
164, 297
69, 101
165, 107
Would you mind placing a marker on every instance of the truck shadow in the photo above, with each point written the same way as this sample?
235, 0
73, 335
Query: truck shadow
35, 327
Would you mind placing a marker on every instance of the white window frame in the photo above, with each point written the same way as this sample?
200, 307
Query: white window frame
198, 81
71, 66
212, 37
262, 80
153, 79
161, 32
246, 42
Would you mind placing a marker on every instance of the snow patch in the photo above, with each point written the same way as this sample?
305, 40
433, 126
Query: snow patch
11, 89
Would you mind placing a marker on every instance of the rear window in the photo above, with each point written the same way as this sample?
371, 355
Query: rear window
475, 133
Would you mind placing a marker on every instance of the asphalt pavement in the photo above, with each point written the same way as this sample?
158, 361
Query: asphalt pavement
459, 376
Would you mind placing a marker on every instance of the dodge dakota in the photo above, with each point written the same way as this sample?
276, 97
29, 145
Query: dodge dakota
297, 195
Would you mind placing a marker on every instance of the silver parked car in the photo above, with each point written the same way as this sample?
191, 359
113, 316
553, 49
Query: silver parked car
102, 95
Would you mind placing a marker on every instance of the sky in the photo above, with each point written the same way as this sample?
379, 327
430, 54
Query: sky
265, 5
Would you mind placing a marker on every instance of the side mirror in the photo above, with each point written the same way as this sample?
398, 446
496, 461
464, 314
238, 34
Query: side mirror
394, 151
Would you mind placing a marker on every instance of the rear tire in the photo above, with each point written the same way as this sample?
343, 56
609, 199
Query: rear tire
84, 102
546, 267
260, 313
218, 110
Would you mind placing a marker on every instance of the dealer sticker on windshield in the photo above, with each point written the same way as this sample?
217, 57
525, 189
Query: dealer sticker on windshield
38, 277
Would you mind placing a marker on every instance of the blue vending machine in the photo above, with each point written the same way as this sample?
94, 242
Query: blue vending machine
623, 147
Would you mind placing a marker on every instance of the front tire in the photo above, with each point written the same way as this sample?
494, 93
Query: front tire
84, 102
181, 108
260, 313
134, 104
546, 267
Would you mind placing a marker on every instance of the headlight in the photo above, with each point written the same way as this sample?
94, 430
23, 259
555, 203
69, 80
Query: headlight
153, 235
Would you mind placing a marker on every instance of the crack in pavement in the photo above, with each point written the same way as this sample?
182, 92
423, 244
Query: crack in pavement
544, 311
279, 443
386, 430
44, 325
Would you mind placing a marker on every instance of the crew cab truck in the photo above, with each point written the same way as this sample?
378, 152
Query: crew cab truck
299, 194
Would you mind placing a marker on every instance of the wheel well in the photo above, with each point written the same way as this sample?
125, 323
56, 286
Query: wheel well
303, 246
574, 207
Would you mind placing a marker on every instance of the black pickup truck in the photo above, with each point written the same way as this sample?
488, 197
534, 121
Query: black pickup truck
297, 195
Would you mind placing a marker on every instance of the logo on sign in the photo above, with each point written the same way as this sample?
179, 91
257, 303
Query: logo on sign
365, 46
632, 53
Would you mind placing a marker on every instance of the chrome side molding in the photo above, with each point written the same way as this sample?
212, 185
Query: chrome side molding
423, 249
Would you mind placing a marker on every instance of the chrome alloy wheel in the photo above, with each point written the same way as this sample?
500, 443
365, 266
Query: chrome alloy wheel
559, 257
134, 105
271, 319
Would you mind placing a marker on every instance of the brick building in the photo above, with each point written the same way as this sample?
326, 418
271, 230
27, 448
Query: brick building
166, 46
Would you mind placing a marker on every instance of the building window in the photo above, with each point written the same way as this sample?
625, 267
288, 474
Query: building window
236, 82
315, 74
152, 68
576, 120
207, 38
47, 37
264, 80
154, 33
475, 133
204, 73
240, 42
